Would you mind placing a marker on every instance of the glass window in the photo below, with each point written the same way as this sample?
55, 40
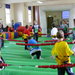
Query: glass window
7, 11
29, 14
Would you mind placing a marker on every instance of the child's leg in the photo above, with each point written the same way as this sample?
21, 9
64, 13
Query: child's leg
32, 55
36, 36
69, 71
2, 43
38, 54
2, 59
61, 71
25, 43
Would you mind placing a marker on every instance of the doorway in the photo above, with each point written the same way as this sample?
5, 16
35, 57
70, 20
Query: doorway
49, 24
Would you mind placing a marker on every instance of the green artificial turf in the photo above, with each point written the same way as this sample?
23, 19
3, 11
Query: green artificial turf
16, 55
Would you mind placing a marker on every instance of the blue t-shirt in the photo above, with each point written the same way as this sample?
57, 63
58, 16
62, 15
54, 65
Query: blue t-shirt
32, 41
33, 48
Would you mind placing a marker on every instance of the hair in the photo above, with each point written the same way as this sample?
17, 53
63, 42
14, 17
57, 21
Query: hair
26, 26
60, 34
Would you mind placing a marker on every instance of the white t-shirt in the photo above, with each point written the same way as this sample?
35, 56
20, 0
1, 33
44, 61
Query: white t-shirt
54, 31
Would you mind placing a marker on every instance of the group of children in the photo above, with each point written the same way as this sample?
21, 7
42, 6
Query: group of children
27, 32
60, 51
34, 50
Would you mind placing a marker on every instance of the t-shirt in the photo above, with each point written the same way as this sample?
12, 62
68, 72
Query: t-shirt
36, 28
54, 31
62, 51
33, 48
26, 31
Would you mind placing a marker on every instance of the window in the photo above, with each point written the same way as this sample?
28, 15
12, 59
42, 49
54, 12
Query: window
65, 14
7, 10
29, 14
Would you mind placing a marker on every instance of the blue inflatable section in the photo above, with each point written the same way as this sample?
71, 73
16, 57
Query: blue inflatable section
7, 36
16, 25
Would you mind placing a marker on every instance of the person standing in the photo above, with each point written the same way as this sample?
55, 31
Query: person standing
26, 33
35, 29
62, 53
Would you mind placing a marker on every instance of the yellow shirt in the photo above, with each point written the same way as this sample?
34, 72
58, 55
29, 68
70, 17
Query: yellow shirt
62, 52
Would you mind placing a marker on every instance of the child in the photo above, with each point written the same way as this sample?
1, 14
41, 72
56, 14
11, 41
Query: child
62, 53
54, 31
35, 29
25, 35
34, 50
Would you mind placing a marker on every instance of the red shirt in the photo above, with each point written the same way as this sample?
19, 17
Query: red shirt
10, 29
26, 31
30, 28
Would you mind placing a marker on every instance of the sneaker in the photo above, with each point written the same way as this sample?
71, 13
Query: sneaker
41, 58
